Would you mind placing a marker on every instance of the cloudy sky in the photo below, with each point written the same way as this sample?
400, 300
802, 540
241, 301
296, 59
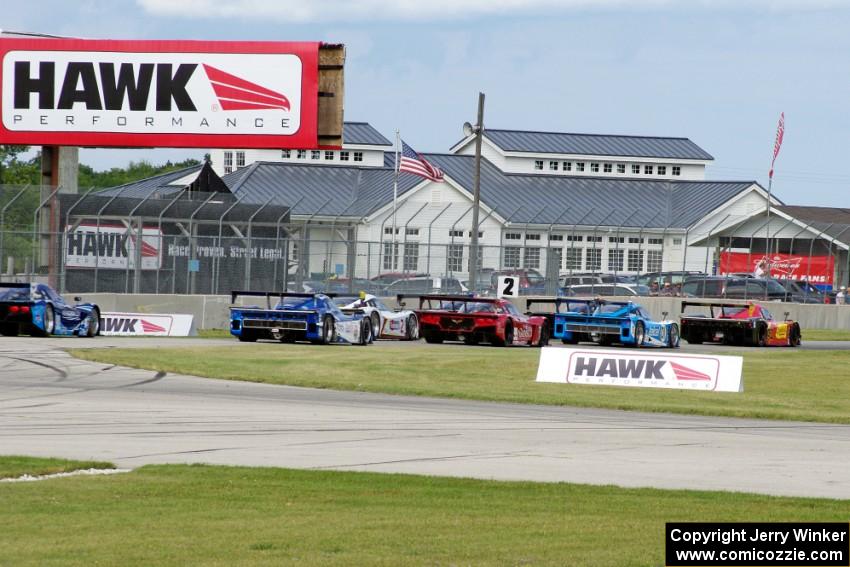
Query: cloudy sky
716, 71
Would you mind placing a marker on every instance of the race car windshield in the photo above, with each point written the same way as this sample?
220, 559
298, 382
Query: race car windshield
732, 311
14, 293
477, 308
608, 308
297, 304
343, 301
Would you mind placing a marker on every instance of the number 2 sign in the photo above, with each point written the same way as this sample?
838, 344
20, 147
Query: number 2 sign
508, 286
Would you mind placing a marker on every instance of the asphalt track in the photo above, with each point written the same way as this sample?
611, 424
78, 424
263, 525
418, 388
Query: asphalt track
54, 405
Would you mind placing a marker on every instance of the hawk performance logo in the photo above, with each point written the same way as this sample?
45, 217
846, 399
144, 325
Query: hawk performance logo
602, 367
644, 370
94, 91
128, 326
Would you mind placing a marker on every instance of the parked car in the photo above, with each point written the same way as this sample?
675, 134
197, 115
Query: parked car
387, 278
800, 294
531, 282
605, 289
581, 279
343, 285
36, 309
671, 277
704, 286
426, 284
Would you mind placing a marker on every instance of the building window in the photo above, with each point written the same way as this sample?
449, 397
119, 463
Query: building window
594, 167
531, 258
315, 154
676, 170
593, 238
512, 256
480, 235
411, 257
532, 237
594, 259
658, 241
390, 256
411, 231
579, 166
293, 251
635, 169
358, 156
635, 260
302, 154
647, 170
454, 258
573, 259
329, 155
635, 240
615, 260
228, 162
553, 165
556, 237
608, 168
513, 236
538, 164
677, 242
343, 155
662, 170
455, 234
285, 154
576, 238
616, 239
568, 166
621, 168
653, 260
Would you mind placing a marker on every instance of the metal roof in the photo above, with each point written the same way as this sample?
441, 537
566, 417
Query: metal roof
595, 144
362, 133
832, 221
202, 177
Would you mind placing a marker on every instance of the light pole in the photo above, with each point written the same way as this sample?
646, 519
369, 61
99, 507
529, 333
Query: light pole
478, 130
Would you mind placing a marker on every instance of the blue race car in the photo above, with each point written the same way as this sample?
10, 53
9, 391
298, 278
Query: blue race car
608, 322
36, 309
310, 317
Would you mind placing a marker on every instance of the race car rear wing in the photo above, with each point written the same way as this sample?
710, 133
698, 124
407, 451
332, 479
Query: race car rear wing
444, 298
276, 294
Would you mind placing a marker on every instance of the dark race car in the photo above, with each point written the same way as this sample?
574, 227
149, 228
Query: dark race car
736, 324
36, 309
476, 320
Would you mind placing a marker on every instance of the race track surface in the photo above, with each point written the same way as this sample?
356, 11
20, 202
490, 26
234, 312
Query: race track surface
54, 405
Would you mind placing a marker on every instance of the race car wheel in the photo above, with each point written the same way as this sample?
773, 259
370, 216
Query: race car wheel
640, 334
544, 336
412, 328
49, 322
471, 340
673, 336
328, 330
762, 340
10, 330
509, 336
794, 337
432, 338
94, 324
366, 332
247, 337
376, 324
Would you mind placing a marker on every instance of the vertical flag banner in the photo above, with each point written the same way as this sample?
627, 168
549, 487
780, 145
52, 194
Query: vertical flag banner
780, 133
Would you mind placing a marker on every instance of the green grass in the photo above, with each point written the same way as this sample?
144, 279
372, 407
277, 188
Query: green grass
204, 515
214, 334
778, 383
15, 466
823, 335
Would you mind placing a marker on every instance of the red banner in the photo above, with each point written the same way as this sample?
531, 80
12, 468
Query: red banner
815, 269
195, 94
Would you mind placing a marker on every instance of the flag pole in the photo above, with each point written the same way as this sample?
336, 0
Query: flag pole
777, 145
395, 200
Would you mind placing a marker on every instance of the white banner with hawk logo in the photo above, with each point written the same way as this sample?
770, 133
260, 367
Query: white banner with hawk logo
711, 373
145, 324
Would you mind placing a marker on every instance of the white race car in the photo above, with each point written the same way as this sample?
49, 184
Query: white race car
386, 323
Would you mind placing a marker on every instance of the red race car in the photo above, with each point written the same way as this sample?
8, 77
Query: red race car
736, 324
476, 320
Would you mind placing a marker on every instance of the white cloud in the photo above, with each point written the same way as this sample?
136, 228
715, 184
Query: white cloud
301, 11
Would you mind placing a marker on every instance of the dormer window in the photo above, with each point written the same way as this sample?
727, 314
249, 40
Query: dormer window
580, 166
676, 170
635, 169
568, 166
607, 168
621, 168
594, 167
538, 164
553, 166
662, 170
647, 170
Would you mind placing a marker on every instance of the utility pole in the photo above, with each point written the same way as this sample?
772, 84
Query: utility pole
478, 130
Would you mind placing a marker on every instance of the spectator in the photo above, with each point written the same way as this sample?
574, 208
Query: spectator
841, 296
667, 291
761, 268
677, 290
653, 288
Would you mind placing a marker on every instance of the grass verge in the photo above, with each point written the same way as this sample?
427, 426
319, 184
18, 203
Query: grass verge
778, 384
205, 515
15, 465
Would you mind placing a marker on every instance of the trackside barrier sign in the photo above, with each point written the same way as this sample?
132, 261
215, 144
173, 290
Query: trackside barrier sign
709, 373
145, 325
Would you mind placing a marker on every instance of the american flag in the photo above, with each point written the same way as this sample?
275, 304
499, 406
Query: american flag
412, 162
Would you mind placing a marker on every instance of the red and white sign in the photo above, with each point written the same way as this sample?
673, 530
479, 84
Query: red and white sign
600, 367
75, 92
815, 269
145, 324
112, 247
